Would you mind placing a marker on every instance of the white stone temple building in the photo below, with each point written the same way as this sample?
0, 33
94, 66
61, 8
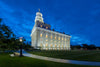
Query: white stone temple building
42, 37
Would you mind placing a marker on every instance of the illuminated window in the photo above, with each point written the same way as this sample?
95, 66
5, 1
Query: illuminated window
46, 45
41, 35
55, 37
62, 38
59, 38
41, 26
46, 27
46, 36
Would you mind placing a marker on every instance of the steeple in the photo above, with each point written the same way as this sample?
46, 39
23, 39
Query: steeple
39, 10
39, 17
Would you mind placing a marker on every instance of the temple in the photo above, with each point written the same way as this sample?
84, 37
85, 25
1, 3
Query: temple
42, 37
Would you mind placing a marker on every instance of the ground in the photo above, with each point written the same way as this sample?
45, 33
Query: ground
7, 61
89, 55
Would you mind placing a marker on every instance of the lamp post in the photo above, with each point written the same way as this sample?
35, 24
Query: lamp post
21, 40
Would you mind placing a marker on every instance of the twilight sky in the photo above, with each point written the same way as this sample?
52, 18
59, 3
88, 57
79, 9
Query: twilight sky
78, 18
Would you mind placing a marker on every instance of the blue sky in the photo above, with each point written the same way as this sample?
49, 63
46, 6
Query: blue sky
78, 18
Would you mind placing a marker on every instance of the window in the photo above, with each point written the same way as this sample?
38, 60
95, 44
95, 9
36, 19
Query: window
62, 38
46, 27
46, 45
55, 37
46, 36
41, 35
41, 26
59, 38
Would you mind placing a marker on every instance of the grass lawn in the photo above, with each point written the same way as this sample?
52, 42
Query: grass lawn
73, 55
7, 61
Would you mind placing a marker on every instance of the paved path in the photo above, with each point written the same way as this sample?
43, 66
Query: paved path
63, 60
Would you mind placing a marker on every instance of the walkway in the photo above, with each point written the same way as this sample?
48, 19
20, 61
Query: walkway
63, 60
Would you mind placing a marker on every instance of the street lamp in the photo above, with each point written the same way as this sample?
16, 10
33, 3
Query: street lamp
21, 40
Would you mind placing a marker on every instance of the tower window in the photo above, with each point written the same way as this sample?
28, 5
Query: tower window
41, 35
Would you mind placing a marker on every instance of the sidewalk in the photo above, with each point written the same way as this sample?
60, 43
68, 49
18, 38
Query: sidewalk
63, 60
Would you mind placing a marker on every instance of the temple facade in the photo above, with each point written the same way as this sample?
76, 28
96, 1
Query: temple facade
42, 37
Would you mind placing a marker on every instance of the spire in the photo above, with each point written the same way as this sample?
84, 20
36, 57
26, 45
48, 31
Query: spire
39, 9
39, 17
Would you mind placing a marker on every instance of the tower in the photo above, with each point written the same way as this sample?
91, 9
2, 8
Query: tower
39, 17
42, 37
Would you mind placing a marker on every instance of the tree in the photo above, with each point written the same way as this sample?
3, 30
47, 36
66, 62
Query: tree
92, 46
75, 46
85, 46
8, 40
